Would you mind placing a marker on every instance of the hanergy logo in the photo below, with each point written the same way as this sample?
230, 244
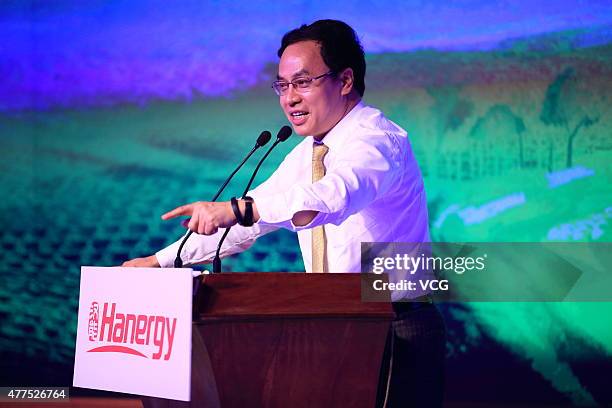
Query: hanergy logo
124, 332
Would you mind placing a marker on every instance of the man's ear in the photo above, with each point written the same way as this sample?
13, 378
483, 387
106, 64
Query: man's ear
348, 80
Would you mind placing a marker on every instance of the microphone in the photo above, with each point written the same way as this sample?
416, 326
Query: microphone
282, 135
262, 140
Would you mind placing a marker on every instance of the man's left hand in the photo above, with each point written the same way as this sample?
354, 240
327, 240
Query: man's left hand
206, 217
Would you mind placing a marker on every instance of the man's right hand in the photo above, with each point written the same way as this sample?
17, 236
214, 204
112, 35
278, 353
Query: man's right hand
148, 262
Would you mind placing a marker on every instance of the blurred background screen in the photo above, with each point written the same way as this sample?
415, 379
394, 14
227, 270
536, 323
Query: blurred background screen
112, 113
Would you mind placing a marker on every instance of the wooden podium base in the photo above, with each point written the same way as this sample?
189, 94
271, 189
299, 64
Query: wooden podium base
284, 340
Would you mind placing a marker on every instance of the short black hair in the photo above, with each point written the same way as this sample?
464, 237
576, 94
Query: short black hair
340, 47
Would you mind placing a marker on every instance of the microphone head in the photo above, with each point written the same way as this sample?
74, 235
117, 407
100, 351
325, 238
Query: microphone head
284, 133
263, 138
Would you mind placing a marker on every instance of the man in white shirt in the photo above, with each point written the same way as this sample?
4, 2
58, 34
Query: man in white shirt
352, 179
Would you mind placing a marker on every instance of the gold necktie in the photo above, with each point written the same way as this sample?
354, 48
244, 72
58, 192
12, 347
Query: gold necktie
319, 242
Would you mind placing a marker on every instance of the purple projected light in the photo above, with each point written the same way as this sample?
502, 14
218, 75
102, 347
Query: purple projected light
101, 53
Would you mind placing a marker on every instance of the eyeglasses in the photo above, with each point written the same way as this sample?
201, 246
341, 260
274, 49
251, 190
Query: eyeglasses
301, 85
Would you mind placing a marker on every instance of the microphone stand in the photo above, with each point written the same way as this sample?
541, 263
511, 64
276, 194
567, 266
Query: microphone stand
283, 135
262, 140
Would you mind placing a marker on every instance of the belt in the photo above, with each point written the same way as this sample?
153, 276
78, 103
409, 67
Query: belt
412, 304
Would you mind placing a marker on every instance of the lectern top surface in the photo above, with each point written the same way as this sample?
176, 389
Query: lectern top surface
269, 294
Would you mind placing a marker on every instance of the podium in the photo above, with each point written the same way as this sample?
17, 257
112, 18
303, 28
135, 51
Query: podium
284, 340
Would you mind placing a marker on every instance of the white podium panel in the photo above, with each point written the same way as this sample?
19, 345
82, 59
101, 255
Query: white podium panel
134, 331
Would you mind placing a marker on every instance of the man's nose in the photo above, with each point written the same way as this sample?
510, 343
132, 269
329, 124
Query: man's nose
292, 97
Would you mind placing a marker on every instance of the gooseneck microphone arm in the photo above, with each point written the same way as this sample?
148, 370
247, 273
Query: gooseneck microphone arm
262, 140
283, 134
246, 190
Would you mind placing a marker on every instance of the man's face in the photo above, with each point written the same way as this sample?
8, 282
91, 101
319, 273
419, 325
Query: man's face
316, 111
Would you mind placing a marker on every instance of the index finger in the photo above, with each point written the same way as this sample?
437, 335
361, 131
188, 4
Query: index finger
186, 209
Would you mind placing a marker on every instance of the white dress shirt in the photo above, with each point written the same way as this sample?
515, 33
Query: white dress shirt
372, 191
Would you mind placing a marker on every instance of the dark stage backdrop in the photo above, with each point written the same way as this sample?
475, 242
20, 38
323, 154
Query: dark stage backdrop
112, 113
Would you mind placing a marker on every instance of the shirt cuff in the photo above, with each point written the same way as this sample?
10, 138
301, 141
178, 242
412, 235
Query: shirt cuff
165, 257
273, 209
278, 209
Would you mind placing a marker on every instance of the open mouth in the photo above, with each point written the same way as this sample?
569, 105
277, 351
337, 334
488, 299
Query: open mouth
298, 117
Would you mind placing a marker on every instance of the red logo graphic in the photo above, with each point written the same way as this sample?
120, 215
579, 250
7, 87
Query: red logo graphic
117, 330
92, 326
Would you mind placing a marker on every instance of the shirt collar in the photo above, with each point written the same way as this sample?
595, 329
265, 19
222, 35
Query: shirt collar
335, 137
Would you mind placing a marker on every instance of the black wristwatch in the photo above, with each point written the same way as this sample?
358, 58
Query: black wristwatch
247, 219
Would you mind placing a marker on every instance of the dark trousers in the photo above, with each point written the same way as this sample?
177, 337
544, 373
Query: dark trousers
414, 353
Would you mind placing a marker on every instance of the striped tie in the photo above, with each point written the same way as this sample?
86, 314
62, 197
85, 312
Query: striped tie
319, 243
